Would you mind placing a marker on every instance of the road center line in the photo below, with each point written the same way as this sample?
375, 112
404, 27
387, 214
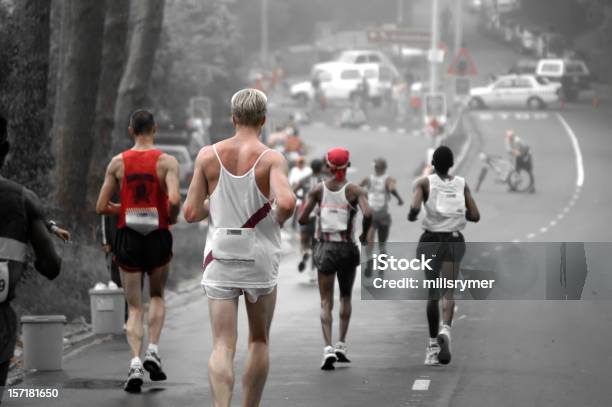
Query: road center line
577, 151
421, 385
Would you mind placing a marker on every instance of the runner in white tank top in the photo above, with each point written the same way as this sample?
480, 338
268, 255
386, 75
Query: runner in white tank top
242, 257
448, 205
335, 253
380, 187
241, 179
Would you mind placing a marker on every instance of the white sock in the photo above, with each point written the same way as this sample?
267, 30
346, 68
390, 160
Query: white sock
433, 341
153, 348
136, 362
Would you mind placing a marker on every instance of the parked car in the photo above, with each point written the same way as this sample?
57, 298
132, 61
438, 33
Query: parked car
341, 80
573, 74
528, 91
181, 153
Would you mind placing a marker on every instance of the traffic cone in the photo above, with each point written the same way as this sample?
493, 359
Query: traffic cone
595, 102
562, 104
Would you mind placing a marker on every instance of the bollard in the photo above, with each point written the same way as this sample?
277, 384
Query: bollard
43, 341
107, 310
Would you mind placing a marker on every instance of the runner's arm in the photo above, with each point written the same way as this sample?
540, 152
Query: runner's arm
48, 262
314, 197
365, 182
472, 214
392, 188
196, 207
417, 199
172, 187
104, 206
280, 189
366, 211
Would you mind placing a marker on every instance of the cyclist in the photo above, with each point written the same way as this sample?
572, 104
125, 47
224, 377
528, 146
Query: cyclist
521, 154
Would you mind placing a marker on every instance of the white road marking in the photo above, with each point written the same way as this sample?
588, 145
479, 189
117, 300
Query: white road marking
552, 223
383, 129
543, 229
421, 385
531, 236
577, 151
365, 127
485, 116
401, 130
516, 241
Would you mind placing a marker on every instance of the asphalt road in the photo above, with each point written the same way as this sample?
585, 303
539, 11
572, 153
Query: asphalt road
511, 353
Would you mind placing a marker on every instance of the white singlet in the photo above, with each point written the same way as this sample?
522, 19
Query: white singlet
241, 257
445, 207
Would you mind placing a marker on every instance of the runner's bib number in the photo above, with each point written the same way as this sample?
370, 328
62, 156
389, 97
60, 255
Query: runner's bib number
334, 219
142, 220
4, 281
234, 244
450, 203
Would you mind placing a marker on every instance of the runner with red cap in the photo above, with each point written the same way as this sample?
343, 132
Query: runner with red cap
336, 253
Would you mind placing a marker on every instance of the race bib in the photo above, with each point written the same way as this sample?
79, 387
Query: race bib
234, 244
334, 219
4, 281
450, 203
142, 220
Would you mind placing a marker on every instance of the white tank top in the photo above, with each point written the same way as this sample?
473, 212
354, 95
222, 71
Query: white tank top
445, 207
241, 257
336, 217
378, 196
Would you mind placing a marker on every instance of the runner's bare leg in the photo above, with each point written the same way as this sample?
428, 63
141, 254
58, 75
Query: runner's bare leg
157, 307
257, 363
326, 290
223, 321
449, 271
133, 295
345, 305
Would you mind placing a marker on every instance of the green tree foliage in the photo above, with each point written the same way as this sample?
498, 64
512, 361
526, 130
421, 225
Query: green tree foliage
199, 55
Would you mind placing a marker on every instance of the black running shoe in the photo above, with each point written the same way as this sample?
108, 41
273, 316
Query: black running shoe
444, 339
134, 380
152, 364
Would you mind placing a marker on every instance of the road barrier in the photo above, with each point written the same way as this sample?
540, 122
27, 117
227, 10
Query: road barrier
107, 310
43, 341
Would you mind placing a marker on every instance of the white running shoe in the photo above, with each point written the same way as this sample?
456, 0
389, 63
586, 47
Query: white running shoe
444, 339
431, 355
329, 358
341, 351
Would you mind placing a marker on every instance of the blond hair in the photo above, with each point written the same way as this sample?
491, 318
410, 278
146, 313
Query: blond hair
249, 107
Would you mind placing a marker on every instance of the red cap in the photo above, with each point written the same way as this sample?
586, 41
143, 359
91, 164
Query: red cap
338, 158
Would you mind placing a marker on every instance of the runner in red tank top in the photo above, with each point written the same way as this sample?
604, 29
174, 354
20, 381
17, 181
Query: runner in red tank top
150, 202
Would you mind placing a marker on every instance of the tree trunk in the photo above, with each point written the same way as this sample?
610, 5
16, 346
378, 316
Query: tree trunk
77, 95
114, 52
26, 96
146, 20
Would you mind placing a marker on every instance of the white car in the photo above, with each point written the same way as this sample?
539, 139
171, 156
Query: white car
181, 153
341, 80
367, 56
516, 91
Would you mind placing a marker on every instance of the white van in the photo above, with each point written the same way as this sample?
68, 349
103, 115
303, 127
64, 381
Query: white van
341, 80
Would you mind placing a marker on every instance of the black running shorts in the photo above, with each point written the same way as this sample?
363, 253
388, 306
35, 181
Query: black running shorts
136, 252
341, 258
442, 247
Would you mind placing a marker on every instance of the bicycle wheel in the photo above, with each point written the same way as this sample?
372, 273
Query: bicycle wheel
518, 180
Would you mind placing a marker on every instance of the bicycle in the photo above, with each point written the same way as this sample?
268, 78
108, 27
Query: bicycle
517, 179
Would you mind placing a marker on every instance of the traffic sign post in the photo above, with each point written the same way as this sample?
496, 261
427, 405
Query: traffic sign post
463, 64
463, 84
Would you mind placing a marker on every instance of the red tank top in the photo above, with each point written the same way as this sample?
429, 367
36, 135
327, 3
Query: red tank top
140, 187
